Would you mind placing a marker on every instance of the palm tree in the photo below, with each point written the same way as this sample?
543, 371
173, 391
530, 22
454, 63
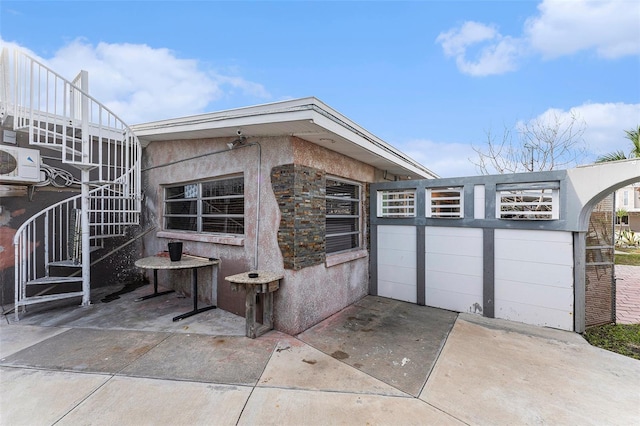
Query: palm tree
634, 136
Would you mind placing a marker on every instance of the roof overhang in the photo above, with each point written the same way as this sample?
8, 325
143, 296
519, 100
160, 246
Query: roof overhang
306, 118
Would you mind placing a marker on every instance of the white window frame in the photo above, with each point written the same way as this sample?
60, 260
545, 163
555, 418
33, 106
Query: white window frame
528, 201
396, 203
358, 217
452, 206
193, 191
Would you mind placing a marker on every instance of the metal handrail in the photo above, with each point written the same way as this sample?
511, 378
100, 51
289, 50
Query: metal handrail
47, 104
61, 115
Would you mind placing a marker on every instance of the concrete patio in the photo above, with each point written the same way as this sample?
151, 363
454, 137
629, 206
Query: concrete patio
627, 294
378, 361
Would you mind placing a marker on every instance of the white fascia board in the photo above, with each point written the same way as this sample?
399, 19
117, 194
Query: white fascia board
228, 118
309, 108
380, 148
204, 123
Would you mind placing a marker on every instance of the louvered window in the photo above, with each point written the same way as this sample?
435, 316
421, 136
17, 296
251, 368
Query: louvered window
397, 203
445, 203
215, 206
533, 201
342, 215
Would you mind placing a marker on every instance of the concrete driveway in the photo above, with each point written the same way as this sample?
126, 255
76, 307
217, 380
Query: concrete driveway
378, 361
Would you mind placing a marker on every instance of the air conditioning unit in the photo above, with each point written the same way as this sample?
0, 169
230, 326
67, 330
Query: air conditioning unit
19, 165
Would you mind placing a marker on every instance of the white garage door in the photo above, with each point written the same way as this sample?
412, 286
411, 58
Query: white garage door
454, 268
397, 262
534, 277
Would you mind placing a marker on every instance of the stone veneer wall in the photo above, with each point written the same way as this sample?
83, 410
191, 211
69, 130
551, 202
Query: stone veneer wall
300, 194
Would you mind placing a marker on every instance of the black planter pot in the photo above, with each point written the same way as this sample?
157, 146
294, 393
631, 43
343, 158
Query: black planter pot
175, 251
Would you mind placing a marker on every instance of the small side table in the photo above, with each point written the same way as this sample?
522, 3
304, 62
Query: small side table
265, 283
187, 262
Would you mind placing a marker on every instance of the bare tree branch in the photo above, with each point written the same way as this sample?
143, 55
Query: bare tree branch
545, 143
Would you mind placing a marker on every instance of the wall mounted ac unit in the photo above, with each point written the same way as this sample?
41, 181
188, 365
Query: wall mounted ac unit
19, 165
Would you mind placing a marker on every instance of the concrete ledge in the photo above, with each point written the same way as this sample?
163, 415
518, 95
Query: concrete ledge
337, 259
229, 240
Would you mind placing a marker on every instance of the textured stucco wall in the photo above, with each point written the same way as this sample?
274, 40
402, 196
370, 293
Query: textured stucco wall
306, 296
308, 154
315, 293
312, 294
203, 159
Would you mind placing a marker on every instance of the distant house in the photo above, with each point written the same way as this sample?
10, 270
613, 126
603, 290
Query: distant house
282, 187
627, 199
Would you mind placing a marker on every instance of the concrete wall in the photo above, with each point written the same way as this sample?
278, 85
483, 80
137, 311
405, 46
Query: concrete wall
315, 293
532, 271
192, 160
310, 291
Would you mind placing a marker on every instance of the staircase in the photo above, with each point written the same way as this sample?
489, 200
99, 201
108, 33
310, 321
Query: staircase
60, 115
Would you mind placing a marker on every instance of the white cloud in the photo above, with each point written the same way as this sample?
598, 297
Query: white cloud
455, 41
609, 27
446, 159
140, 83
10, 45
605, 125
497, 55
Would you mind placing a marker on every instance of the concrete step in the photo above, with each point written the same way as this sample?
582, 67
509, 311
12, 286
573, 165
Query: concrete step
49, 297
54, 280
66, 264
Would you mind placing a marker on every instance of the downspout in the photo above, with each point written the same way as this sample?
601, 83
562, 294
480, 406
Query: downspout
259, 177
255, 264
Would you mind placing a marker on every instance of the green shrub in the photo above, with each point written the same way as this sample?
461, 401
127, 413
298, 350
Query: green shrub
627, 238
620, 338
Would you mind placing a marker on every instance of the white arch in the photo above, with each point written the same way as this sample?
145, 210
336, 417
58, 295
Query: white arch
590, 184
593, 182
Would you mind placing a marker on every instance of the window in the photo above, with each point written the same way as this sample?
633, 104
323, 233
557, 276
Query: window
625, 198
397, 203
622, 217
215, 206
533, 201
445, 203
342, 215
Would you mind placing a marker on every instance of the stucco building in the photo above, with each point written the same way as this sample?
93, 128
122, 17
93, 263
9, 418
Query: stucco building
282, 187
296, 189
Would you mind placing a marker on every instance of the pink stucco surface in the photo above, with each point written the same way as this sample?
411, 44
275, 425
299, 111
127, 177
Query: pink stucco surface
306, 296
206, 159
308, 154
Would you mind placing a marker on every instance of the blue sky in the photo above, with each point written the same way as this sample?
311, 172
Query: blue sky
432, 78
